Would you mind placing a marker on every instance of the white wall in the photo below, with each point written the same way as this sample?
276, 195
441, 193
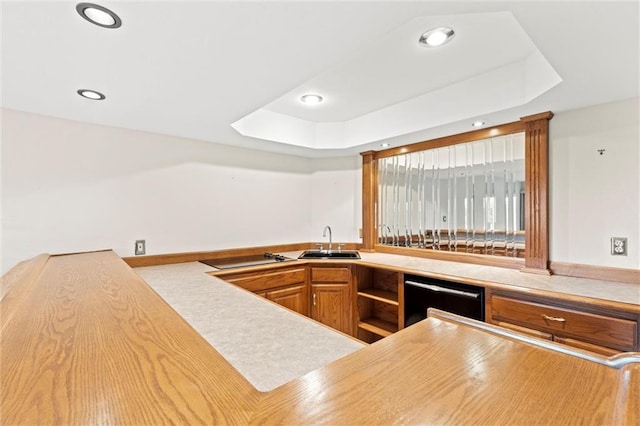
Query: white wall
337, 199
595, 197
70, 186
2, 269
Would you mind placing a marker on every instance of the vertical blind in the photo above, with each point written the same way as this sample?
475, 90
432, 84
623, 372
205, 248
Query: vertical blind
465, 197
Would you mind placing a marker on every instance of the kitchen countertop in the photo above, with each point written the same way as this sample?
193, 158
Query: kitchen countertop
504, 278
440, 371
269, 345
85, 340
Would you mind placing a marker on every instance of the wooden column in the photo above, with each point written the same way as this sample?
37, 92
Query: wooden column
369, 190
536, 188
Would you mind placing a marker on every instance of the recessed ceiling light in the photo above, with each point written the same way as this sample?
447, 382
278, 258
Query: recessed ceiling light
311, 99
385, 145
98, 15
436, 36
91, 94
478, 123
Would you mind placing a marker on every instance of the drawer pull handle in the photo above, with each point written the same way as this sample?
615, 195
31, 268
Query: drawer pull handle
549, 318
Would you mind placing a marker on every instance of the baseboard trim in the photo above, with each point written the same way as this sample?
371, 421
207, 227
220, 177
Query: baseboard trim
606, 273
165, 259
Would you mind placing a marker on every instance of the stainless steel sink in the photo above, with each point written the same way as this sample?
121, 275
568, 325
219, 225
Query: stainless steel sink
322, 254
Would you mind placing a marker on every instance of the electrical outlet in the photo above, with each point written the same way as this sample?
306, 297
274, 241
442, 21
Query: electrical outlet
618, 246
140, 247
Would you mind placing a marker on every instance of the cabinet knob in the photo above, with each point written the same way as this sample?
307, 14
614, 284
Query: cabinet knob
550, 318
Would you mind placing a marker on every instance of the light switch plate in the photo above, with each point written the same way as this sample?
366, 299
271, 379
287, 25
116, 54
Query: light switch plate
618, 246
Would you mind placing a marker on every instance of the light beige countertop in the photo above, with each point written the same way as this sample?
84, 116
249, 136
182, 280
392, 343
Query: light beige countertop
269, 345
500, 277
272, 345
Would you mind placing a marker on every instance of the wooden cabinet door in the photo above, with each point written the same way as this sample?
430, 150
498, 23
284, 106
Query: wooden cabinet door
294, 297
331, 305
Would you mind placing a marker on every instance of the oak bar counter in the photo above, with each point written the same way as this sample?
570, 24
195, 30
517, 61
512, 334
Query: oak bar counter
85, 340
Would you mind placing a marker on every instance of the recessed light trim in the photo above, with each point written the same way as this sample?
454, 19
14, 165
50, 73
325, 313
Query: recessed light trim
99, 15
385, 145
478, 123
436, 37
311, 99
91, 94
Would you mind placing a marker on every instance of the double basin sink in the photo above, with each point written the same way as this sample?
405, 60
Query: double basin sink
324, 254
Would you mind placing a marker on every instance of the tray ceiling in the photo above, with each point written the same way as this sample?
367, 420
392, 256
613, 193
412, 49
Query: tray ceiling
232, 72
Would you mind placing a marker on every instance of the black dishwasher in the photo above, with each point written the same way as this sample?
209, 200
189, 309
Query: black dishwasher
421, 293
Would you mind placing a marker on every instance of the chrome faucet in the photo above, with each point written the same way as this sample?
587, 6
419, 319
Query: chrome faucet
324, 234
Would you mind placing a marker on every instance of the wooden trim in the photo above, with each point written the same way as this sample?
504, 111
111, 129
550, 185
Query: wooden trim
606, 273
452, 256
164, 259
536, 129
474, 135
539, 271
369, 197
401, 301
537, 194
167, 258
547, 115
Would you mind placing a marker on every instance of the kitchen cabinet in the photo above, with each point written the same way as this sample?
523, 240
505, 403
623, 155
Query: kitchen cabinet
331, 297
379, 307
285, 286
597, 329
294, 297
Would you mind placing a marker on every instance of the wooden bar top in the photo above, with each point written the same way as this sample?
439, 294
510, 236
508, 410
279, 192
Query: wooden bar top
84, 340
443, 372
91, 343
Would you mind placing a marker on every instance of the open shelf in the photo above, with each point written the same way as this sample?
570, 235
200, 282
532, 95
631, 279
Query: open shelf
378, 303
378, 326
380, 295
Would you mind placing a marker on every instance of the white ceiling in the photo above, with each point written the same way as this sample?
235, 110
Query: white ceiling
194, 69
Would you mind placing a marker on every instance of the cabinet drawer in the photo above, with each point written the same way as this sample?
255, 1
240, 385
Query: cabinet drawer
602, 350
330, 275
528, 331
597, 329
270, 279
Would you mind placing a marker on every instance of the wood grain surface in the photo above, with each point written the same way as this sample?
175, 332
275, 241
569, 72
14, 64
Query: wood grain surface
598, 329
89, 342
94, 344
438, 372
